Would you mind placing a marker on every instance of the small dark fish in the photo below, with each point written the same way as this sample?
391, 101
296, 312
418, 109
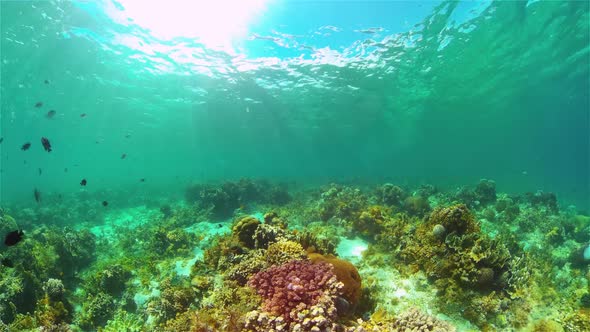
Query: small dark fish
38, 104
46, 81
51, 114
40, 171
142, 180
123, 156
83, 182
13, 237
7, 262
66, 170
83, 115
25, 146
37, 195
127, 135
105, 203
1, 140
46, 144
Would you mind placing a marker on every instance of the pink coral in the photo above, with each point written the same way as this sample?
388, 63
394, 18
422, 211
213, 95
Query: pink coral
294, 286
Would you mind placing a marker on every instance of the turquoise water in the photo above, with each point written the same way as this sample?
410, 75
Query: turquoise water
440, 93
164, 107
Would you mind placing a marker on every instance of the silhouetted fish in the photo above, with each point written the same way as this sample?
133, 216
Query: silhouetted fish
40, 171
25, 146
123, 156
83, 182
66, 170
13, 237
37, 195
50, 114
83, 115
46, 81
46, 144
105, 203
1, 140
127, 135
142, 180
38, 104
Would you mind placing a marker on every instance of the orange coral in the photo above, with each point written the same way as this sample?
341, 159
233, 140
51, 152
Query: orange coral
345, 272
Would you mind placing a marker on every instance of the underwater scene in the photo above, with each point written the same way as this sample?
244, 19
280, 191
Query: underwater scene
294, 165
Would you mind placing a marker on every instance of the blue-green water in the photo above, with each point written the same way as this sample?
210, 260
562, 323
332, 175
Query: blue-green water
441, 147
440, 93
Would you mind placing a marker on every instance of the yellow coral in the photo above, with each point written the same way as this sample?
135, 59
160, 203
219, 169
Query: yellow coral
284, 251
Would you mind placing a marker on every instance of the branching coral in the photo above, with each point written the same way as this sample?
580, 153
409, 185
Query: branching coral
341, 202
165, 241
284, 251
224, 199
455, 219
124, 321
173, 299
111, 280
97, 311
291, 288
252, 262
372, 221
415, 320
54, 288
485, 192
416, 205
312, 242
543, 199
465, 263
390, 194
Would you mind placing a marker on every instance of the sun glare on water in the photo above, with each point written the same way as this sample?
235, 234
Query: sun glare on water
215, 23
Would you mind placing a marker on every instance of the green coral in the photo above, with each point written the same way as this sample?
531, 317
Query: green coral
96, 311
173, 299
341, 202
467, 266
124, 321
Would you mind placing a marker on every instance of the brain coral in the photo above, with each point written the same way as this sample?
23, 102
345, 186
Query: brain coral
345, 272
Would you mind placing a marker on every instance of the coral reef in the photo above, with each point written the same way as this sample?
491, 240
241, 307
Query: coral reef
312, 242
487, 260
97, 311
542, 199
222, 200
244, 229
389, 194
485, 192
341, 202
415, 320
54, 288
173, 299
465, 264
345, 272
293, 287
284, 251
416, 205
